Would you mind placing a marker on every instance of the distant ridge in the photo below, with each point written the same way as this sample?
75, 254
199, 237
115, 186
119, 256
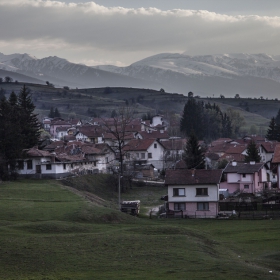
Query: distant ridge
249, 75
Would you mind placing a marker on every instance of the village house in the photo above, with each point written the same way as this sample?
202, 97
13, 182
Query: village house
146, 151
245, 178
93, 134
193, 193
276, 162
43, 164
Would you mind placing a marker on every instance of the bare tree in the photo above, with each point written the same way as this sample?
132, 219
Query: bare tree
118, 127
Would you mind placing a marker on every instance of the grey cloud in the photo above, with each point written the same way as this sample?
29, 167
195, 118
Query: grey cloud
122, 30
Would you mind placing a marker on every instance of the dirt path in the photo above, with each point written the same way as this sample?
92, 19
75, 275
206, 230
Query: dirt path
90, 197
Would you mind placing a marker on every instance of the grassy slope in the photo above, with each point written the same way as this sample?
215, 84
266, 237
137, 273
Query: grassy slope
47, 232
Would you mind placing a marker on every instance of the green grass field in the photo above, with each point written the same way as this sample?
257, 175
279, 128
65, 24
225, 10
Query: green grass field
48, 232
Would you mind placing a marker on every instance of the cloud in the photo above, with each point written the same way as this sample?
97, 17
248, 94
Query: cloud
120, 32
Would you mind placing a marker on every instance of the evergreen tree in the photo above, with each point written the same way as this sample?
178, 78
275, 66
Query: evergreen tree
51, 113
192, 118
113, 114
30, 125
252, 153
10, 136
56, 113
273, 130
277, 118
193, 155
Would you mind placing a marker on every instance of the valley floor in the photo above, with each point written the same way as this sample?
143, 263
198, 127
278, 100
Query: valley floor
48, 232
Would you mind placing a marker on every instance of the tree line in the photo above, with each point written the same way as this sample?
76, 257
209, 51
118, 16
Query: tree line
208, 122
19, 130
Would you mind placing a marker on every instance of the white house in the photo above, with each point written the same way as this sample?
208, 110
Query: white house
145, 151
193, 193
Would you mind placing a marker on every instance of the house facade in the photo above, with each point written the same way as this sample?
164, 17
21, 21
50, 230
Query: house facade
193, 193
245, 177
144, 151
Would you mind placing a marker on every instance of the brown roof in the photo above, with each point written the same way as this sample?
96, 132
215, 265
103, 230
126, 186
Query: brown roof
60, 122
243, 168
212, 156
139, 144
236, 149
269, 146
35, 152
91, 131
233, 157
62, 128
276, 156
220, 141
174, 144
181, 164
192, 176
154, 134
54, 145
219, 148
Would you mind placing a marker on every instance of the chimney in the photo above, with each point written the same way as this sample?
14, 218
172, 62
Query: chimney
193, 172
252, 162
234, 163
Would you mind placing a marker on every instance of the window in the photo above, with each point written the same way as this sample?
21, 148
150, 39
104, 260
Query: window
29, 164
202, 206
155, 145
137, 155
107, 160
128, 155
149, 155
244, 175
48, 167
202, 191
64, 165
94, 163
20, 164
142, 155
246, 186
179, 206
178, 192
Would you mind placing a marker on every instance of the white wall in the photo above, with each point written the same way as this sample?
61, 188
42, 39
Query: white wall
190, 193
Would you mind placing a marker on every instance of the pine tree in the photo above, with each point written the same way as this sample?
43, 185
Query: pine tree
252, 153
273, 130
192, 118
10, 136
277, 118
194, 156
51, 113
30, 125
56, 113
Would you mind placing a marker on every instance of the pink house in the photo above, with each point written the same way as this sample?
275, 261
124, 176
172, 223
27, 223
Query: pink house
244, 177
193, 193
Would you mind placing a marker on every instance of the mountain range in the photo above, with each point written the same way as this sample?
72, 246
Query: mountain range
249, 75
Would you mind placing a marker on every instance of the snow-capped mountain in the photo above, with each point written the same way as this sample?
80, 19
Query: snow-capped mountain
249, 75
246, 74
61, 72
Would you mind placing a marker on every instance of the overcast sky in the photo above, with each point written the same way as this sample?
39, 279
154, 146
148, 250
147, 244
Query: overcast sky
120, 32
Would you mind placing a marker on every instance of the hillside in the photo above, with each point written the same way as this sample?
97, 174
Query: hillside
47, 232
91, 102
